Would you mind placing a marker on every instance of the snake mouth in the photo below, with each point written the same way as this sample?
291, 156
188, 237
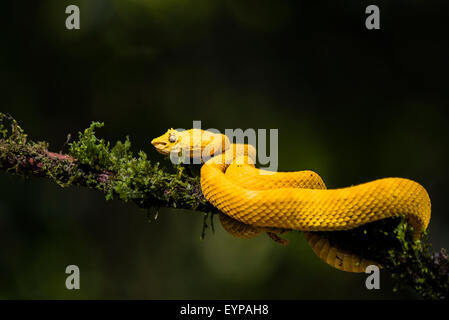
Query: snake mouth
160, 146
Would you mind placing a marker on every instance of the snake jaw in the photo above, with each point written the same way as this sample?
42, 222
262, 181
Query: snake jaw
161, 146
165, 143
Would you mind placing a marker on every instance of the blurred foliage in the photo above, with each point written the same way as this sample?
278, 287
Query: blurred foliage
350, 104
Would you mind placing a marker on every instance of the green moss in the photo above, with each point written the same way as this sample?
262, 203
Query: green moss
3, 131
91, 151
14, 148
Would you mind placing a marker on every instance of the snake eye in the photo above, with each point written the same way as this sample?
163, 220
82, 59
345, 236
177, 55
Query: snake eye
172, 138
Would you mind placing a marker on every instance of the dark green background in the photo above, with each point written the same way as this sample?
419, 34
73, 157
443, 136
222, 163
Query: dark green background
353, 105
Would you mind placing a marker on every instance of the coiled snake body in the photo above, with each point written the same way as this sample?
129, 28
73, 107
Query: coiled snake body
253, 200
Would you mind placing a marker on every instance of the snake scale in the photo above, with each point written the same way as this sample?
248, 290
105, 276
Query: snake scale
254, 201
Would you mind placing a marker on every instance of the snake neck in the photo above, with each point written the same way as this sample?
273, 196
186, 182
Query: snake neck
236, 153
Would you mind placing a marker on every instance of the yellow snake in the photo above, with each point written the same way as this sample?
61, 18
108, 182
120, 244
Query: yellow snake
253, 201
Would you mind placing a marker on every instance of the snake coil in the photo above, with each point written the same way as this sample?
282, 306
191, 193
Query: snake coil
253, 200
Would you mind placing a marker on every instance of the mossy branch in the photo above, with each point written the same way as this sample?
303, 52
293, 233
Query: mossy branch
92, 163
118, 173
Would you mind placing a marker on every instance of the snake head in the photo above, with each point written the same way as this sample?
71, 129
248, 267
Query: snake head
194, 143
167, 142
